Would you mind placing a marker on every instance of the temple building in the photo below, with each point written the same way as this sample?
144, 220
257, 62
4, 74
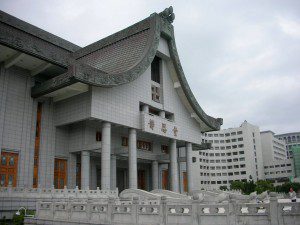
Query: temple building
112, 114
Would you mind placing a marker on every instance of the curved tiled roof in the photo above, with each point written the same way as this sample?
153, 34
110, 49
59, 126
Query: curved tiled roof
124, 56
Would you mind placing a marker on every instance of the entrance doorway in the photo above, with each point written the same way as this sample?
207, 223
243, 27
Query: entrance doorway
122, 181
142, 179
8, 169
60, 173
165, 180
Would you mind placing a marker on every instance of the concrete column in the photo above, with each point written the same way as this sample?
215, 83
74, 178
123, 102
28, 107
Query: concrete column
105, 156
113, 172
71, 171
173, 166
189, 166
132, 160
145, 108
85, 170
154, 175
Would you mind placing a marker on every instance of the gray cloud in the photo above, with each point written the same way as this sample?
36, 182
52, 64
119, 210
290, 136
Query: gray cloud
241, 58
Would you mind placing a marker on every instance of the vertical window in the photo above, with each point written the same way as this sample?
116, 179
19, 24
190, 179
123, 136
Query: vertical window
155, 93
37, 144
98, 136
155, 71
165, 149
125, 141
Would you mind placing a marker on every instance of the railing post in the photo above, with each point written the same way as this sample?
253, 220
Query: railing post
232, 212
88, 208
163, 203
134, 214
273, 210
195, 209
110, 205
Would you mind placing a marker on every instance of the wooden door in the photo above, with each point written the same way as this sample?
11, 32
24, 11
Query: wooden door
141, 180
60, 173
165, 179
8, 169
184, 178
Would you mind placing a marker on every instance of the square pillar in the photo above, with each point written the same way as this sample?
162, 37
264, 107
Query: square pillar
72, 171
105, 156
154, 175
85, 170
132, 160
174, 166
189, 166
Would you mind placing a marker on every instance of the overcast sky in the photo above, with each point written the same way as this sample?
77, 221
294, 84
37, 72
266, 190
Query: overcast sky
241, 58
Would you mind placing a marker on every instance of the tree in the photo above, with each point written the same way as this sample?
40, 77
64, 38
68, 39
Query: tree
286, 187
249, 187
223, 188
264, 185
237, 185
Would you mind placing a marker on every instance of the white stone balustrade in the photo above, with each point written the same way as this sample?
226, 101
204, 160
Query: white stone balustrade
165, 211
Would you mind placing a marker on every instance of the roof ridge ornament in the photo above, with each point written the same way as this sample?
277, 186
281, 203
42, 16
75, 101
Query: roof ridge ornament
168, 14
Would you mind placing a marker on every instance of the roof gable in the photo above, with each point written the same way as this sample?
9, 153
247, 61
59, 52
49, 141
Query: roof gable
123, 57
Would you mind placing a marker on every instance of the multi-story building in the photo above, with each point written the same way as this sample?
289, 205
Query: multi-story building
291, 140
235, 154
272, 148
277, 167
111, 114
296, 159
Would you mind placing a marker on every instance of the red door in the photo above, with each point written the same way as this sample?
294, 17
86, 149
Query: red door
184, 175
60, 173
165, 179
141, 180
8, 169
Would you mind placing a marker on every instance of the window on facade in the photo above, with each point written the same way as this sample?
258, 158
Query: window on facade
125, 141
98, 136
227, 134
155, 93
193, 159
165, 149
221, 135
240, 139
240, 132
144, 145
155, 69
